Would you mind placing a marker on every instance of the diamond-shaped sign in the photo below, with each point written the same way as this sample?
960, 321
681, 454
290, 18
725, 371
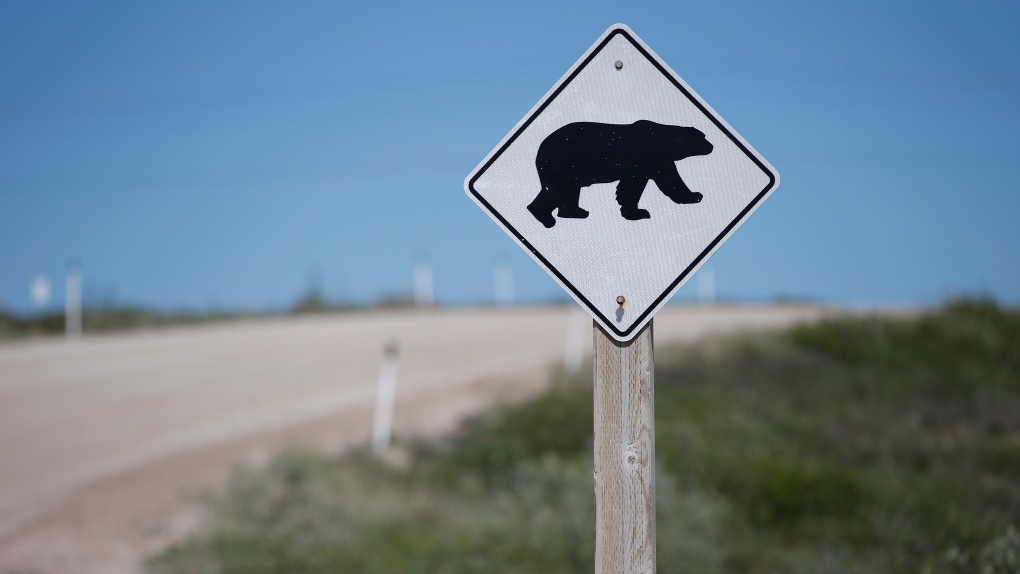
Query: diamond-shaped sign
621, 182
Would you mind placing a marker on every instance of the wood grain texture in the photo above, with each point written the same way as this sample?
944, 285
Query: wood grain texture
624, 454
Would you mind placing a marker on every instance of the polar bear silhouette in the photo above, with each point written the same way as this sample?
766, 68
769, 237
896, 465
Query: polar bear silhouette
584, 153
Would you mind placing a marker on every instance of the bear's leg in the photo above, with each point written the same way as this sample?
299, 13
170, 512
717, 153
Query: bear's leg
674, 187
569, 205
628, 193
543, 205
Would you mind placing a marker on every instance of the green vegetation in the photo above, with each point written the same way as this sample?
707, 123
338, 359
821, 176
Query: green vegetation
106, 319
857, 445
12, 326
103, 319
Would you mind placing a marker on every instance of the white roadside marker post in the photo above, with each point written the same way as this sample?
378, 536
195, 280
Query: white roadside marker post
503, 277
706, 285
424, 293
385, 399
72, 301
573, 354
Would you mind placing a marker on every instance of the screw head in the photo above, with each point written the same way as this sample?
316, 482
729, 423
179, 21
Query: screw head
618, 65
620, 300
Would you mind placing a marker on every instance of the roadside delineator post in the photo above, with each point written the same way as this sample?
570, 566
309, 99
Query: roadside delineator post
385, 399
424, 292
573, 355
72, 300
706, 285
503, 280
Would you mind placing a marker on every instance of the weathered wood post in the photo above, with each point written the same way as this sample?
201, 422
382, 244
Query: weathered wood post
621, 116
624, 454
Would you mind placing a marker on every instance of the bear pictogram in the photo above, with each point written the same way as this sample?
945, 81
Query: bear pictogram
584, 153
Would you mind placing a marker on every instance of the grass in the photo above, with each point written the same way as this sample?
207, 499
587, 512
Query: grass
104, 319
853, 445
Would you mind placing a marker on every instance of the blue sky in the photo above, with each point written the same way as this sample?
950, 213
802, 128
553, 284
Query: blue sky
196, 154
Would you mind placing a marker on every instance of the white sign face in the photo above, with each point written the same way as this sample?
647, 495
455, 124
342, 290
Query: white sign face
621, 182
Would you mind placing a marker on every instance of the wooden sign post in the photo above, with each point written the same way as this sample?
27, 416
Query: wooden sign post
624, 454
621, 183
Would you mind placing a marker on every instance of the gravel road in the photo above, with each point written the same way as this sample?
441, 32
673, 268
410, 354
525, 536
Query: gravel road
100, 437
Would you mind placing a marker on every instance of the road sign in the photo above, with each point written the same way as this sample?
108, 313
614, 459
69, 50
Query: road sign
621, 182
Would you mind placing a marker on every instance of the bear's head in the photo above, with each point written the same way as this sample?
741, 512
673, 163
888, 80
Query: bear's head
685, 142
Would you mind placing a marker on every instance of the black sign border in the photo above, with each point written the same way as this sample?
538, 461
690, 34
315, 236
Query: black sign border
545, 262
